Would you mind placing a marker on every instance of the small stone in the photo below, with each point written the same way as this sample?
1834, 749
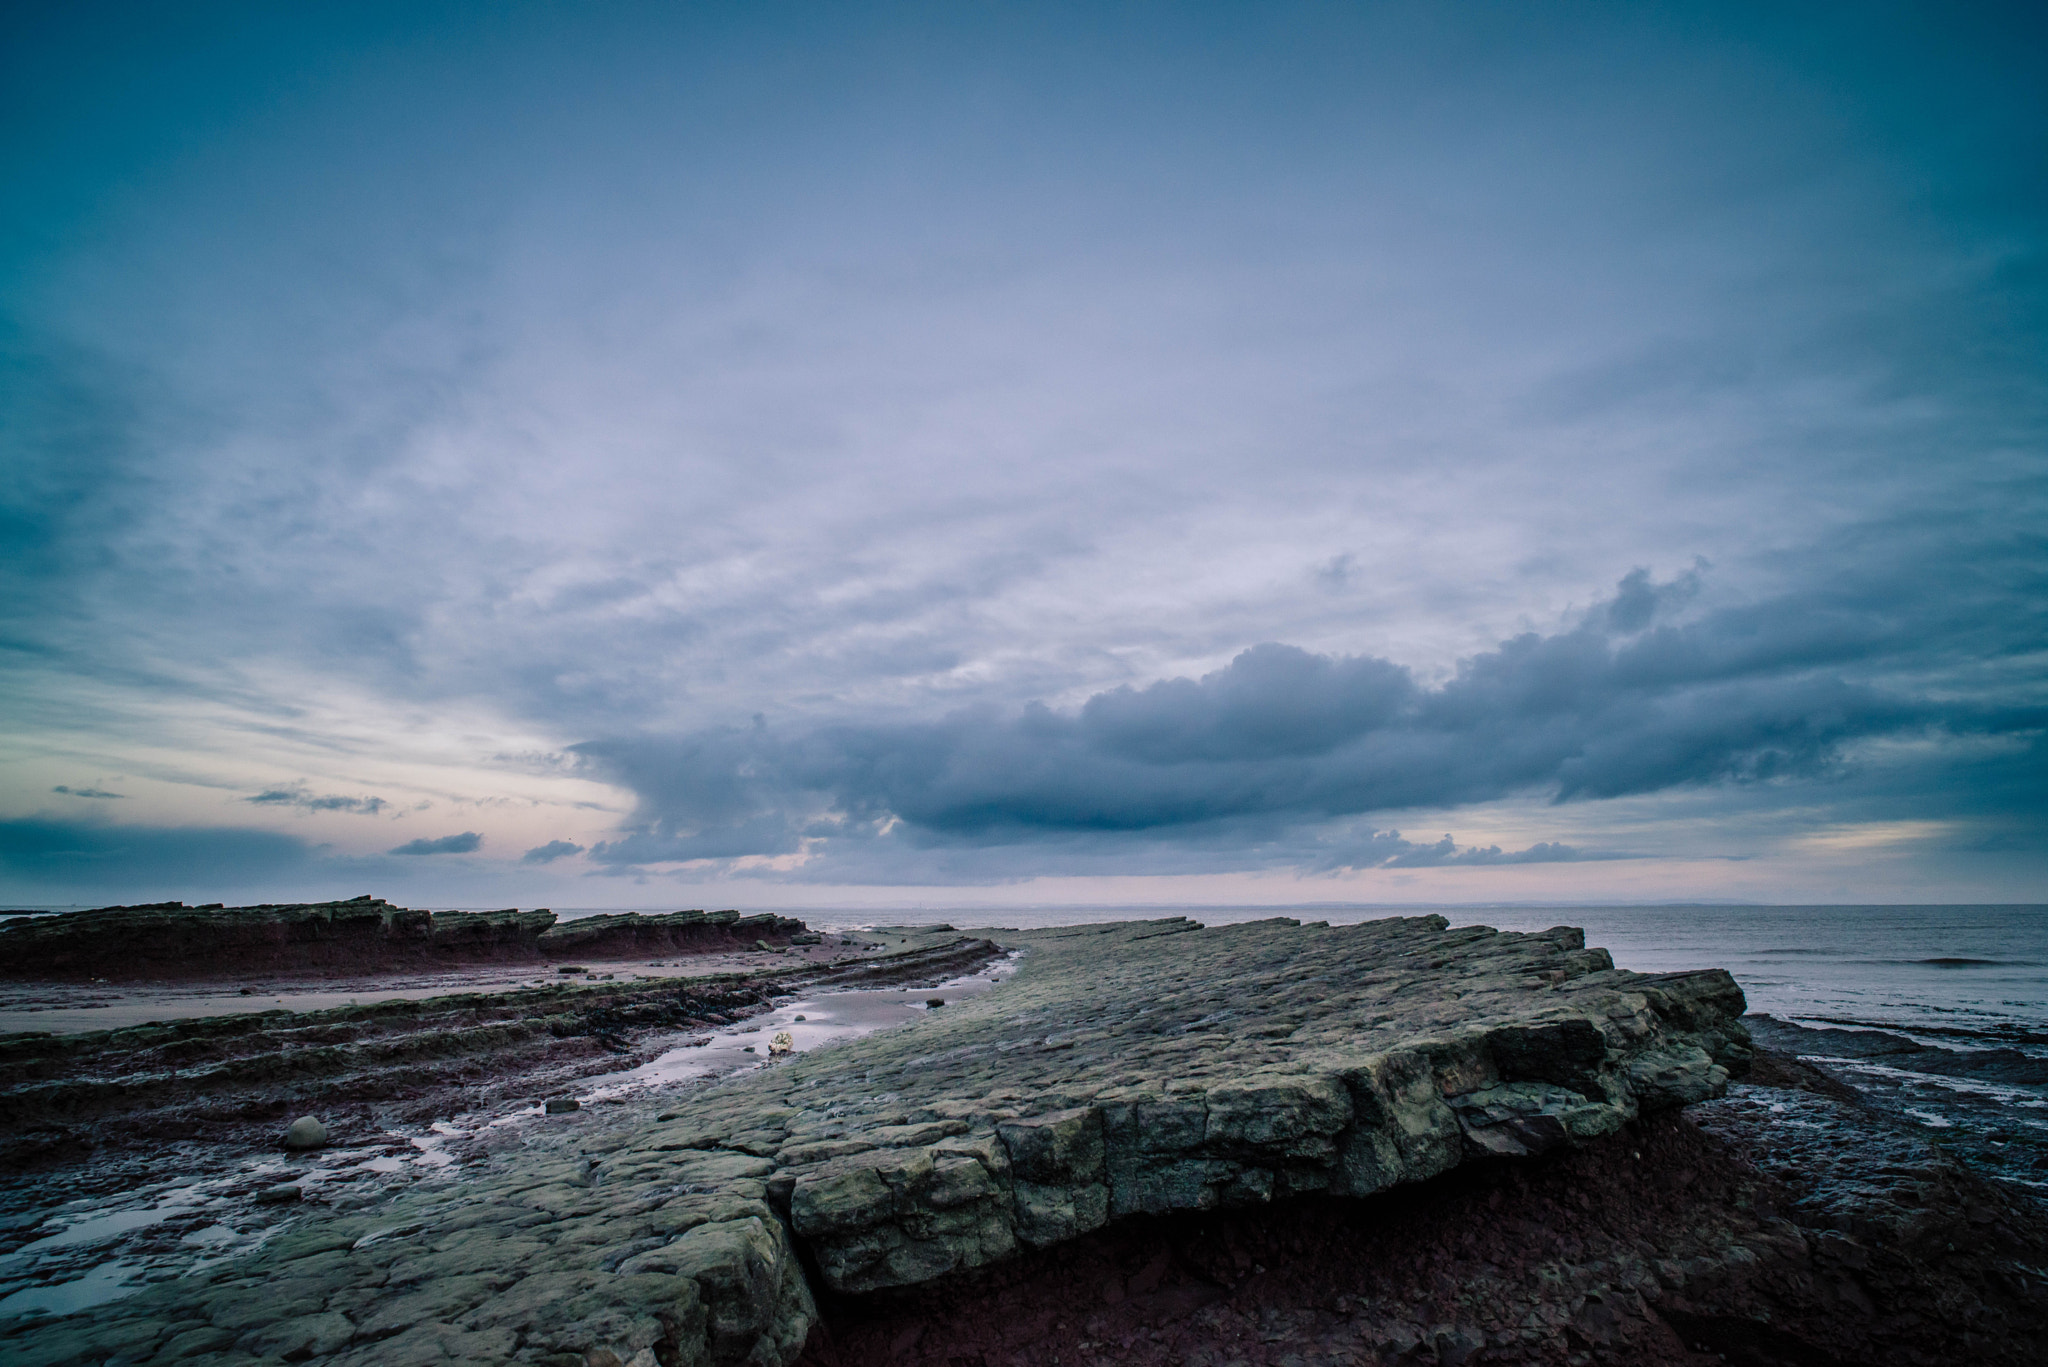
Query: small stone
572, 968
281, 1195
934, 1002
797, 1018
562, 1105
306, 1133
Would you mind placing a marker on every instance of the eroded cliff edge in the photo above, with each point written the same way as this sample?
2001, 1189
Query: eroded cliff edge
1127, 1069
171, 941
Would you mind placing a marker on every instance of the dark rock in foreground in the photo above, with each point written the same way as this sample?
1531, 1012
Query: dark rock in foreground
169, 940
1128, 1070
1673, 1243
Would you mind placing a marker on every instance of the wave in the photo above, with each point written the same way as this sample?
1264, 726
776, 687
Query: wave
1791, 953
1989, 1034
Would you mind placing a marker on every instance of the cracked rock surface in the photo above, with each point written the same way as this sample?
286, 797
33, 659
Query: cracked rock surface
1132, 1070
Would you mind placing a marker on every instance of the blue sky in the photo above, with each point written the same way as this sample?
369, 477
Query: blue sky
860, 455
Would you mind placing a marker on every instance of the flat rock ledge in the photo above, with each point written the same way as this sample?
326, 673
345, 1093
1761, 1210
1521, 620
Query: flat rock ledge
1127, 1069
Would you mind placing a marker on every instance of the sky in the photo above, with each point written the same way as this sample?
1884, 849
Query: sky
870, 455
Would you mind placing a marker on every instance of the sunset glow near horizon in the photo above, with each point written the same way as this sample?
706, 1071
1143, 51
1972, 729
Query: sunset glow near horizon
656, 455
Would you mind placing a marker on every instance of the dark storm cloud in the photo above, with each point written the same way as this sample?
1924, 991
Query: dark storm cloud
466, 843
58, 854
1388, 850
1624, 704
550, 852
305, 801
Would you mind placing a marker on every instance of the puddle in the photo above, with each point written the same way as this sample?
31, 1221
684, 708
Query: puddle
827, 1018
107, 1282
97, 1229
89, 1250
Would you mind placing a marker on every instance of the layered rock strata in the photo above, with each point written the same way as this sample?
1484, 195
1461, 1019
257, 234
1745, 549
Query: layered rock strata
1774, 1227
1128, 1069
214, 1077
169, 940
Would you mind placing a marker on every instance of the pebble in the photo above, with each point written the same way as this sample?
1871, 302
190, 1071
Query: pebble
305, 1133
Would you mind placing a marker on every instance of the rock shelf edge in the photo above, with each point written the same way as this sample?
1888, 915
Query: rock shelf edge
1132, 1069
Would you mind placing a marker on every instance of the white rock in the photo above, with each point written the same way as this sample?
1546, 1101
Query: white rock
306, 1133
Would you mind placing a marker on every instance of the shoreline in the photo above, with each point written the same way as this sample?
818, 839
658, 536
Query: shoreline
1749, 1188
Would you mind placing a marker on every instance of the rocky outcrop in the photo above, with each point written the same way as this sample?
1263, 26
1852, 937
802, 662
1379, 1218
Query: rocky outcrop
1769, 1228
681, 932
1181, 1070
169, 940
1127, 1070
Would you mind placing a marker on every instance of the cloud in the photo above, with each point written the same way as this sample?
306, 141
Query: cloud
305, 801
66, 854
1388, 850
465, 843
1062, 366
550, 852
85, 792
1631, 700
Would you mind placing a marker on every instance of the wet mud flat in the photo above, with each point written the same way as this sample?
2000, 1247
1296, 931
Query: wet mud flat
227, 1080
